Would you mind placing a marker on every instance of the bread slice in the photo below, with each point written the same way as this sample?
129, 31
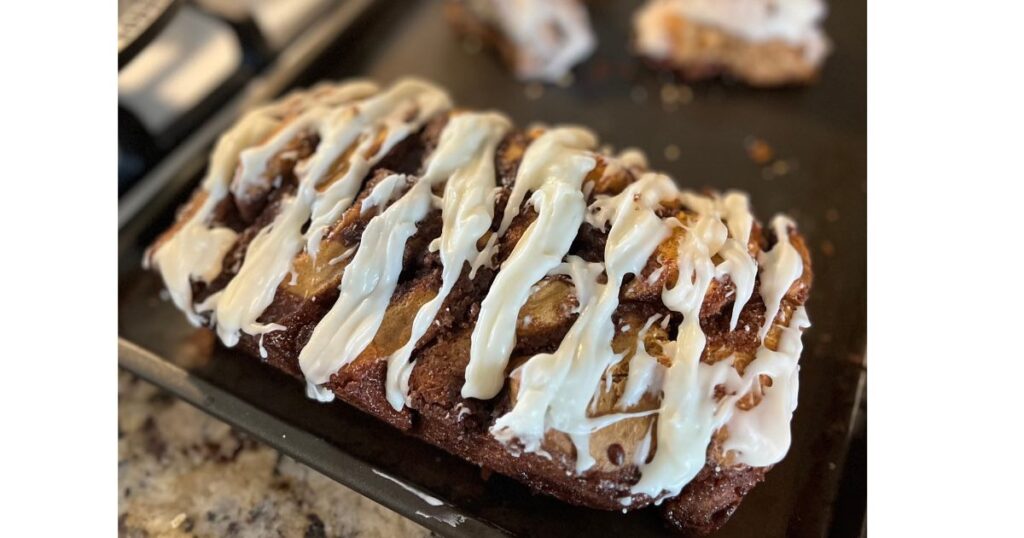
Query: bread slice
760, 42
520, 299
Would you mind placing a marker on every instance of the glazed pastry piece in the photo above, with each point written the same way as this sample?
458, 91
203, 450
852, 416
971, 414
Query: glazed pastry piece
557, 314
539, 39
760, 42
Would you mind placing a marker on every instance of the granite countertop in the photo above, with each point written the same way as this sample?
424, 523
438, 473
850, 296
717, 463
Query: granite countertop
183, 473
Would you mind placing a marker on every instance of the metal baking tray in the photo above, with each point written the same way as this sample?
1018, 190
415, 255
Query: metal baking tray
819, 132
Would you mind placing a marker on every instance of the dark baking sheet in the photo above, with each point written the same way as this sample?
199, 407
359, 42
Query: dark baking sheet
819, 131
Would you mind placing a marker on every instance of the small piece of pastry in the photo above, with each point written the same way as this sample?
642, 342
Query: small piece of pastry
518, 298
539, 39
760, 42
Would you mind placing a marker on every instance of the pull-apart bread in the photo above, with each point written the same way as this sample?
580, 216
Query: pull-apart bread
518, 298
760, 42
538, 39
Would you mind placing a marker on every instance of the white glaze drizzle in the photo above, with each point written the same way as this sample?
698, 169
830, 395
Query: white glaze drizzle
367, 285
465, 157
645, 372
382, 193
195, 251
760, 436
556, 388
342, 257
689, 414
738, 264
644, 448
550, 36
400, 110
254, 160
553, 168
407, 105
782, 266
319, 393
684, 422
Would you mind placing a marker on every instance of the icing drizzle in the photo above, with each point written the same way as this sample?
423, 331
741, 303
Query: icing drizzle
553, 168
465, 157
195, 251
556, 388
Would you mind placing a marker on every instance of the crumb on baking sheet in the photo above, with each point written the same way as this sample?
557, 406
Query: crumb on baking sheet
672, 152
779, 168
762, 154
685, 94
759, 151
827, 248
673, 95
638, 94
534, 91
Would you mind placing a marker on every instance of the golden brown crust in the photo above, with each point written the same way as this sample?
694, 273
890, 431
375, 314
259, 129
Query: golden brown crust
707, 503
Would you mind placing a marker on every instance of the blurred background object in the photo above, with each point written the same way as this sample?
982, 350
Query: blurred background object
181, 62
138, 22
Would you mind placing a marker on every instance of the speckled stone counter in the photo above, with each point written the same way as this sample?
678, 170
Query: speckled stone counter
183, 473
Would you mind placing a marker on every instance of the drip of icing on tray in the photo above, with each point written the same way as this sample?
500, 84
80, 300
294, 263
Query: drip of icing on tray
553, 168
